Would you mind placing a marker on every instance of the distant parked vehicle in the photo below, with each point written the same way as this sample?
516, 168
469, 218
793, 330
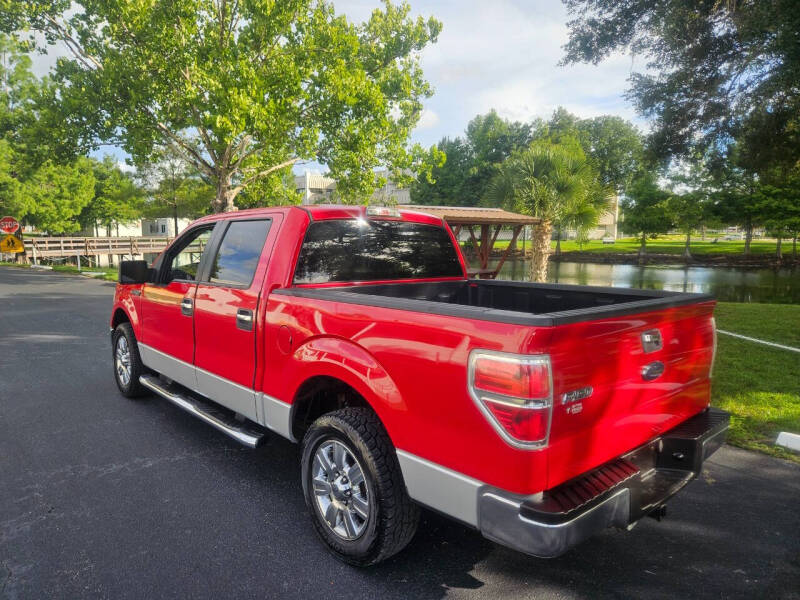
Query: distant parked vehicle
609, 239
538, 414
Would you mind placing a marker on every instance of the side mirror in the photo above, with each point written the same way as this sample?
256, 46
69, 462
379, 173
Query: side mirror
133, 271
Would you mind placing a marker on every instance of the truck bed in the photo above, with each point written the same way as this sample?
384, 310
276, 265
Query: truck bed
520, 303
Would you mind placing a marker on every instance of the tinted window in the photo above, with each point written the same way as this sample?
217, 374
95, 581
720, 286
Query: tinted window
237, 258
364, 250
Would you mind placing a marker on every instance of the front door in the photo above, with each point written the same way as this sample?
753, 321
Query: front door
167, 307
225, 314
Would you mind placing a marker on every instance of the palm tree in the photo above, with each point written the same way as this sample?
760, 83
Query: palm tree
555, 183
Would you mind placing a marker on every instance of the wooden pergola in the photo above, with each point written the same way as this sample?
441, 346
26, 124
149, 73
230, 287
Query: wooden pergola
488, 222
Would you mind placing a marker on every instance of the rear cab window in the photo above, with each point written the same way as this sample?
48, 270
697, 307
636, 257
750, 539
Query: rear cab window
375, 250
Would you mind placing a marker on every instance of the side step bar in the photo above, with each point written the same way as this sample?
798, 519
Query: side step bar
244, 432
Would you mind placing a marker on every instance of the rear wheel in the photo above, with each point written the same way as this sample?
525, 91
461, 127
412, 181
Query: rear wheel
127, 362
354, 489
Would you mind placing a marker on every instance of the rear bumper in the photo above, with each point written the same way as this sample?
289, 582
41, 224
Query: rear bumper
616, 494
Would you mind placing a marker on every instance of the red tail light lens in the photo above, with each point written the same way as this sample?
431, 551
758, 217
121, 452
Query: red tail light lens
514, 392
512, 377
523, 424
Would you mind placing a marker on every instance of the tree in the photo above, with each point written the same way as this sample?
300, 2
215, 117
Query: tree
12, 199
173, 187
687, 211
614, 145
242, 90
117, 199
58, 194
715, 70
464, 178
544, 180
644, 209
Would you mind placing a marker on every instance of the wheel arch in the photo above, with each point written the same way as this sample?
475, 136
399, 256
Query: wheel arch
337, 373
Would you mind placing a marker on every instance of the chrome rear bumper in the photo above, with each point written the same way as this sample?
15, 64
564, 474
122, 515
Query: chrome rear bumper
616, 494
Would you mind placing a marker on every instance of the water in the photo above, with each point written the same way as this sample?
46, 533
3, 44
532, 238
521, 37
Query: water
777, 286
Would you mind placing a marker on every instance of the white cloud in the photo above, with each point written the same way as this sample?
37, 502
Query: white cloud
427, 119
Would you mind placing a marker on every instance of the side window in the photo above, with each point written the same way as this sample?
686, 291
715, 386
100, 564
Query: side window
238, 254
184, 258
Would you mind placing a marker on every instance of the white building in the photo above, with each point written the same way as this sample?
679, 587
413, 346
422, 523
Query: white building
321, 189
162, 226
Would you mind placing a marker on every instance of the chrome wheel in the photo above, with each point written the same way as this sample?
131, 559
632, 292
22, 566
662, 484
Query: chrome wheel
122, 361
340, 490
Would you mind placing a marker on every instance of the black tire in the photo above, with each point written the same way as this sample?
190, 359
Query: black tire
132, 388
393, 517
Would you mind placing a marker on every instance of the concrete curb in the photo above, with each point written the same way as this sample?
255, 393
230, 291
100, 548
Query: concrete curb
788, 440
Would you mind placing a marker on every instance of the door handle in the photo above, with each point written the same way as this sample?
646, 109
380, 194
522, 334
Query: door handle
244, 319
187, 307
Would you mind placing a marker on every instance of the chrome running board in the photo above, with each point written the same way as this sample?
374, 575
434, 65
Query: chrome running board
244, 432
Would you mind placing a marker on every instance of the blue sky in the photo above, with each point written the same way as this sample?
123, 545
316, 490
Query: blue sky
499, 54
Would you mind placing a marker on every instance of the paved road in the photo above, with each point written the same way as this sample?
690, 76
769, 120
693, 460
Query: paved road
106, 497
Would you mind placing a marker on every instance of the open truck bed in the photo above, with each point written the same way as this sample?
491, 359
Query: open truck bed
519, 303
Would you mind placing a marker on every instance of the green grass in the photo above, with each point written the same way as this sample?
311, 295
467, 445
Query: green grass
5, 263
758, 385
104, 273
665, 245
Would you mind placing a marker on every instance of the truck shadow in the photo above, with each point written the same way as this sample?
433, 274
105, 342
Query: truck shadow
712, 544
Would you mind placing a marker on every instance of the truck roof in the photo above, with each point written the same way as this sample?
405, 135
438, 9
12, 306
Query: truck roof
325, 212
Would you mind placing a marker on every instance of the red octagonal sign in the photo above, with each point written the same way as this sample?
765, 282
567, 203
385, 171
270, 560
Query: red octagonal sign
9, 225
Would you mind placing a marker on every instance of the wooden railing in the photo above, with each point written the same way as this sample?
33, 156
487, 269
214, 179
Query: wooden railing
52, 247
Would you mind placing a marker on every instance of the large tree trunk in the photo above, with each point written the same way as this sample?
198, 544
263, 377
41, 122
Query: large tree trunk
778, 254
794, 246
643, 247
226, 194
175, 217
540, 242
558, 242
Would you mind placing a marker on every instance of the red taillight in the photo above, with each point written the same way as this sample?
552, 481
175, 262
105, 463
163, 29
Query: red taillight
514, 392
512, 377
523, 424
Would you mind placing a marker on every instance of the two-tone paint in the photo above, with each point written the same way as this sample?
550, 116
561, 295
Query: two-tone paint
411, 367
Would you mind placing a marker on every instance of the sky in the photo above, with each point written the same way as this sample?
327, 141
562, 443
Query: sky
500, 54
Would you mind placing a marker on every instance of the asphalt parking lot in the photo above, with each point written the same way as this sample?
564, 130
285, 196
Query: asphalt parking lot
103, 497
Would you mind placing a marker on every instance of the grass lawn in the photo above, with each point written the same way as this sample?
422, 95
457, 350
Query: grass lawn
759, 385
104, 273
668, 244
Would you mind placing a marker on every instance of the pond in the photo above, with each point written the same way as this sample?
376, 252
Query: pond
777, 286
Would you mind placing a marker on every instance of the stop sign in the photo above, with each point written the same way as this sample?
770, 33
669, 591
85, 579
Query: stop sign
9, 224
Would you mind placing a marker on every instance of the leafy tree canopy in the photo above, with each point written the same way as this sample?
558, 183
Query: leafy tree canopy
713, 71
57, 195
241, 90
464, 178
612, 144
645, 209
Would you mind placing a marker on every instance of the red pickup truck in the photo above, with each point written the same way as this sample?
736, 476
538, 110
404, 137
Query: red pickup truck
537, 414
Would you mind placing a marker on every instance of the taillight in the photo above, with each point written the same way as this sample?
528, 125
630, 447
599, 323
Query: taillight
515, 393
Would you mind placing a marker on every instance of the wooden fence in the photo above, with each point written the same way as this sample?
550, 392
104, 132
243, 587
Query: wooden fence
56, 247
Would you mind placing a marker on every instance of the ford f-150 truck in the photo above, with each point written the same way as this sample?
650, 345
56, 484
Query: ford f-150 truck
537, 414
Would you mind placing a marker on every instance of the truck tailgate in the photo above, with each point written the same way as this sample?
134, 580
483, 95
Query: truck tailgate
609, 396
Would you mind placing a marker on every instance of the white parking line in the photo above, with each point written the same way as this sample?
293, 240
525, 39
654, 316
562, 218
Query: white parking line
756, 340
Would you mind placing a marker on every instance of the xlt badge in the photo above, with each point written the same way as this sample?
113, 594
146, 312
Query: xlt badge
575, 395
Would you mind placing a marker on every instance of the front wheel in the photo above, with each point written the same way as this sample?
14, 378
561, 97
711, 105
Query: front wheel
127, 362
354, 488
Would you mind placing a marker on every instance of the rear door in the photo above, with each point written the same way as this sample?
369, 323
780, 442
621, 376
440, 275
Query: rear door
167, 333
225, 313
622, 381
